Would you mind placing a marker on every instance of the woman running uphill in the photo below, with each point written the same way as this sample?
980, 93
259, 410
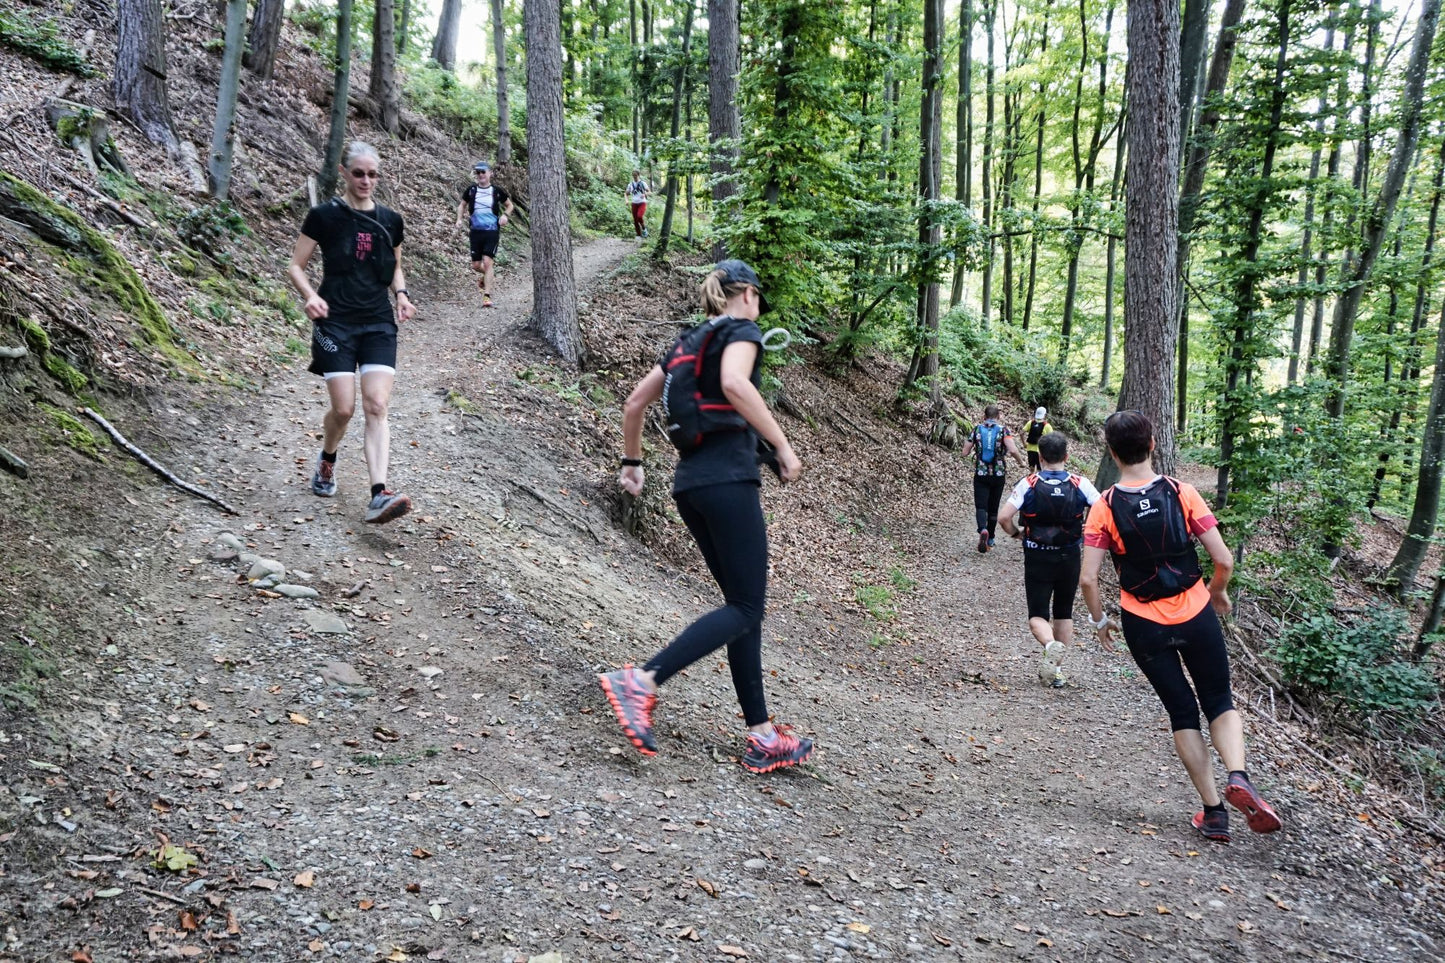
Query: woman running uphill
353, 327
1149, 522
716, 491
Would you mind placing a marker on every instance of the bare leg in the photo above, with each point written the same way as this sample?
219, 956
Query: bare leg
375, 399
1189, 744
342, 392
477, 266
487, 276
1064, 630
1041, 630
1227, 734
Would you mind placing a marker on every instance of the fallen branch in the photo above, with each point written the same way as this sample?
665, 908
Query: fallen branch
355, 590
13, 463
153, 465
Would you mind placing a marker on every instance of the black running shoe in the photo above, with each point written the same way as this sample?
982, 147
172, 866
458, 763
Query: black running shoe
1212, 825
983, 541
632, 703
784, 749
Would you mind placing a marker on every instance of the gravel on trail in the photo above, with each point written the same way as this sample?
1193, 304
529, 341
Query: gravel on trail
418, 764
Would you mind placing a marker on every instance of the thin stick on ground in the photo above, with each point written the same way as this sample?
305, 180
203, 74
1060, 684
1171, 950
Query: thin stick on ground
152, 464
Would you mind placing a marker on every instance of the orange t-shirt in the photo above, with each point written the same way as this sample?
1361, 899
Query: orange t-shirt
1101, 532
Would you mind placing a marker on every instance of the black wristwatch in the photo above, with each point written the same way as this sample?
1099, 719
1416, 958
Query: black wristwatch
631, 462
401, 291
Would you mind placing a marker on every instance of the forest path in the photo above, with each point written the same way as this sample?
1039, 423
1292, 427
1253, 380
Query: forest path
469, 796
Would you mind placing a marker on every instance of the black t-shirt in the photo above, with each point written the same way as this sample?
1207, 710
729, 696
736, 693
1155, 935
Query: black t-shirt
358, 259
725, 456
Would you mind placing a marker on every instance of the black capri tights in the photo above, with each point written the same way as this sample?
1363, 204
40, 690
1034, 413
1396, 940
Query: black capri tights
1163, 652
1051, 580
727, 523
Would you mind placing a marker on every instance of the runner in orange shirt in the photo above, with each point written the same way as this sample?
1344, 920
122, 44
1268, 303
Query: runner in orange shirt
1170, 616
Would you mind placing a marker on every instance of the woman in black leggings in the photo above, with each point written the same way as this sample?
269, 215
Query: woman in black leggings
1149, 524
716, 491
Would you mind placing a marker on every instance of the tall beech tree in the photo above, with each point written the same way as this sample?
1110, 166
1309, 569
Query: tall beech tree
264, 37
340, 95
724, 122
444, 44
218, 162
384, 90
504, 114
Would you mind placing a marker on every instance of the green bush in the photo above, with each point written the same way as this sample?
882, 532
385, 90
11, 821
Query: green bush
41, 40
1357, 664
467, 113
211, 229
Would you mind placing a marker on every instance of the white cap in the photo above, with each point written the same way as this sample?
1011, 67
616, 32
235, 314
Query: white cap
1040, 413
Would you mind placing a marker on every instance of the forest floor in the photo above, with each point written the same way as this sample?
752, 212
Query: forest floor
419, 764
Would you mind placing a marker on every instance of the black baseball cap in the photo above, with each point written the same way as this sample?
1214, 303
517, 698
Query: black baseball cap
481, 166
737, 272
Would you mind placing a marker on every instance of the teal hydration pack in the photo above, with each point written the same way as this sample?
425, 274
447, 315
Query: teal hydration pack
990, 438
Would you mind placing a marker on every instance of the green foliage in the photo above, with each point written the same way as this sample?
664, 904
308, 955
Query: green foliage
24, 666
41, 40
981, 364
462, 110
876, 600
213, 229
1358, 664
73, 431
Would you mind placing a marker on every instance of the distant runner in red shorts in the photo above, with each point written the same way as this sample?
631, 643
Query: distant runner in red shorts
637, 192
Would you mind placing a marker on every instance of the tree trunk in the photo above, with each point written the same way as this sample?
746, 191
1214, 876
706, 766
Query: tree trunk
1111, 255
1347, 307
1193, 33
1297, 346
1424, 513
724, 124
930, 173
664, 235
1234, 410
383, 89
504, 114
1151, 233
1332, 173
963, 166
1038, 193
987, 293
336, 139
1194, 170
404, 30
140, 70
554, 293
444, 46
265, 36
218, 163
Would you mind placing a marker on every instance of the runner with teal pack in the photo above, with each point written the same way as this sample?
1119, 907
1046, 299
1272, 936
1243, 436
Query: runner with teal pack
993, 441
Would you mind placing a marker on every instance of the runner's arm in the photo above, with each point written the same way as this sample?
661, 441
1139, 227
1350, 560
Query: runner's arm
737, 384
1089, 588
648, 390
506, 212
462, 212
316, 306
1012, 446
404, 307
1223, 568
1006, 515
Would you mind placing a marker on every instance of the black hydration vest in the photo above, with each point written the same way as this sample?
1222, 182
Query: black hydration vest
691, 416
1056, 517
1159, 559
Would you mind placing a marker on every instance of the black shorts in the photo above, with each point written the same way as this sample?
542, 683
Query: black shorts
343, 348
1051, 580
484, 243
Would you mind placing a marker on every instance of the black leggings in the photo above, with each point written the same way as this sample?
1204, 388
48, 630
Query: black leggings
1051, 580
987, 494
1163, 652
726, 521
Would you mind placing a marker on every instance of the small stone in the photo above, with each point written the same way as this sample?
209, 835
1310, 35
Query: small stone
264, 568
296, 591
758, 866
230, 541
429, 671
341, 674
324, 623
301, 576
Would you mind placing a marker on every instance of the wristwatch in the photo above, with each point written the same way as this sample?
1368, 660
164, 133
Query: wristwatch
1103, 621
631, 462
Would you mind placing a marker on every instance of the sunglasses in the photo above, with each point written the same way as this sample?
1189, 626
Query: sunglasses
368, 175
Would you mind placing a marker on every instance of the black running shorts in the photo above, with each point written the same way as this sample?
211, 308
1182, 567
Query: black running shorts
1051, 580
484, 244
347, 347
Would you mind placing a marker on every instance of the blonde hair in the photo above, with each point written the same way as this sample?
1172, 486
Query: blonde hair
715, 294
357, 149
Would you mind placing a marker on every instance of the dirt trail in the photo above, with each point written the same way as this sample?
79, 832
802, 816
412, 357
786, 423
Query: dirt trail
470, 798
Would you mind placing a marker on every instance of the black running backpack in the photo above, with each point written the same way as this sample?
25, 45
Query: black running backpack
1055, 519
692, 414
1159, 559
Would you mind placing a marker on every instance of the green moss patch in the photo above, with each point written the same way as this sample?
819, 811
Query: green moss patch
74, 431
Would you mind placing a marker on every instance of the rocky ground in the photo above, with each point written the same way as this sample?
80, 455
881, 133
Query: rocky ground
414, 762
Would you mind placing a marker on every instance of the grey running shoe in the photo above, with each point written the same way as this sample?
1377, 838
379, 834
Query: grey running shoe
386, 506
323, 480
